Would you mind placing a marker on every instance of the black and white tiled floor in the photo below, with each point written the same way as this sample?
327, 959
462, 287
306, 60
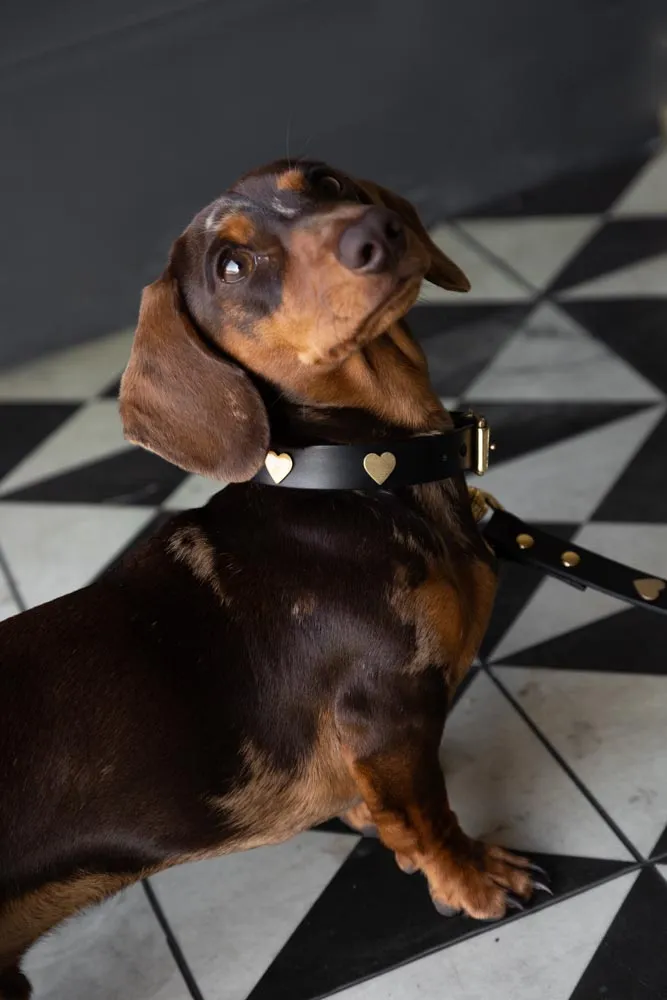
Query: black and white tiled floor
557, 747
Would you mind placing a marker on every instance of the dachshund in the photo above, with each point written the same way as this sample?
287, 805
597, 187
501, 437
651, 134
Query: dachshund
280, 656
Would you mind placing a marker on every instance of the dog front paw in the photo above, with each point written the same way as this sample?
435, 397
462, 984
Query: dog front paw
485, 885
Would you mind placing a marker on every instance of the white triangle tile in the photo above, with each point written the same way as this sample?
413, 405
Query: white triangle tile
541, 957
555, 608
92, 433
506, 787
662, 869
232, 915
567, 481
489, 282
195, 491
115, 950
449, 402
536, 248
643, 279
53, 549
647, 195
610, 728
8, 605
551, 357
75, 373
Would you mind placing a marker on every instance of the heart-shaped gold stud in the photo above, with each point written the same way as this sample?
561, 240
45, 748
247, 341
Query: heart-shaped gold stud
649, 588
379, 467
278, 466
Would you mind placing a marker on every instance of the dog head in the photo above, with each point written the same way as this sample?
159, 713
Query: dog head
298, 278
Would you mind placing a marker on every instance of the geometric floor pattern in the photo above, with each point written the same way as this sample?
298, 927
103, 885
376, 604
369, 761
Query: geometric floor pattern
557, 746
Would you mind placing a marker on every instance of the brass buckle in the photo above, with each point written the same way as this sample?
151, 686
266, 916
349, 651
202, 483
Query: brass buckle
484, 445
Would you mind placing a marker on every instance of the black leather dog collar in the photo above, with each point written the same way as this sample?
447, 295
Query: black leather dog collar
390, 464
386, 463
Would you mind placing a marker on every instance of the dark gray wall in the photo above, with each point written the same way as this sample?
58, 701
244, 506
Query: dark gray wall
119, 120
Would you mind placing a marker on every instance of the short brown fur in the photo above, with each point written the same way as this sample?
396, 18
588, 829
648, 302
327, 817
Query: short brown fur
277, 657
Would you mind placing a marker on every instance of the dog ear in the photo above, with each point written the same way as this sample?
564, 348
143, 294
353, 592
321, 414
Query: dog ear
443, 271
181, 400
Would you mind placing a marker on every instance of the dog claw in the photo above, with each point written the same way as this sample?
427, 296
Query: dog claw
541, 887
540, 871
513, 903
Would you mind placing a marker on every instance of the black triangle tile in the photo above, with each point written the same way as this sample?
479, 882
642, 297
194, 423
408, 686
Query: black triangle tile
632, 641
660, 849
517, 428
584, 192
24, 426
335, 826
131, 476
631, 960
460, 341
636, 329
112, 390
618, 244
640, 493
516, 585
371, 918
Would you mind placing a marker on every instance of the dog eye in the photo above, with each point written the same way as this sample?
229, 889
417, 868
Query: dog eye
235, 265
329, 186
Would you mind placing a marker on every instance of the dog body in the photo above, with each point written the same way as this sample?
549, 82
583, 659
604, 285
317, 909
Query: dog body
280, 656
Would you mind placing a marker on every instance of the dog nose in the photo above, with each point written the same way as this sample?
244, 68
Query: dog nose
374, 243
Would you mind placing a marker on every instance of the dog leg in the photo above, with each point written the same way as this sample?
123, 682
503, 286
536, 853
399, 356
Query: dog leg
25, 919
406, 796
393, 757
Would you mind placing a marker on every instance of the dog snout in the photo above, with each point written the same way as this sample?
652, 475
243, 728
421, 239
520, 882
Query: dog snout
373, 244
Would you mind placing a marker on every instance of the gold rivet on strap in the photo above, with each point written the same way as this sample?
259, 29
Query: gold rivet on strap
570, 559
525, 541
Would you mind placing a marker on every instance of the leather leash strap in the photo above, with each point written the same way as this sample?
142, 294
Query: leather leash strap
513, 539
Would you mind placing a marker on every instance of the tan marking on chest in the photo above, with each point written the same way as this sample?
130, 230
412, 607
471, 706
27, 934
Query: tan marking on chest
303, 607
190, 546
449, 621
270, 805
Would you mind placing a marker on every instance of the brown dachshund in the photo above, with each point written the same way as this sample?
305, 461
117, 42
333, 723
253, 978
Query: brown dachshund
280, 656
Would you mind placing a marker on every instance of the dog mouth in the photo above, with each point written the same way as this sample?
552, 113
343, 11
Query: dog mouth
392, 308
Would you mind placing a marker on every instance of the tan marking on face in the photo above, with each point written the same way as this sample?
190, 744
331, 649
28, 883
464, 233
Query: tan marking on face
190, 546
335, 338
268, 805
237, 228
291, 180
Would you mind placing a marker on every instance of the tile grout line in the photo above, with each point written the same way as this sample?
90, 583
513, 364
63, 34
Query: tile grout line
481, 927
534, 294
172, 942
539, 294
599, 808
14, 589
